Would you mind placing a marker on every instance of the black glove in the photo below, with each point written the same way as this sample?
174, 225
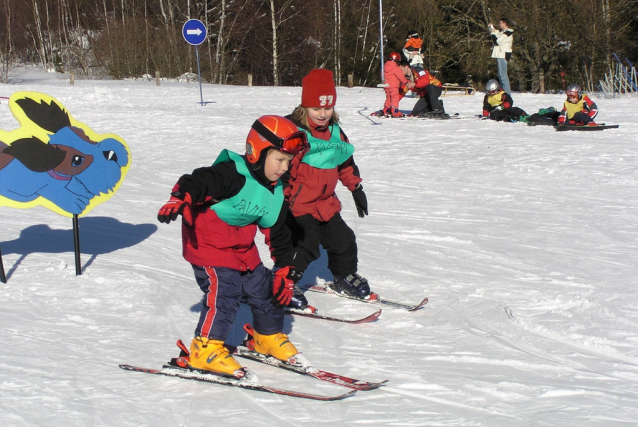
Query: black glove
360, 201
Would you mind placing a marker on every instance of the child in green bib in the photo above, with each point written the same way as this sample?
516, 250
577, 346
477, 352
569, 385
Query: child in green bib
222, 206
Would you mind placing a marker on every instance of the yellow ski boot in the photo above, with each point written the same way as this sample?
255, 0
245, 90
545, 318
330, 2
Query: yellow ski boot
211, 355
276, 345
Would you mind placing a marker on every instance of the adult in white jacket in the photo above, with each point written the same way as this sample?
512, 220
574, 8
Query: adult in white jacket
502, 50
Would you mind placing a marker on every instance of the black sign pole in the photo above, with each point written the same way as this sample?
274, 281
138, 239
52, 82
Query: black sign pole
3, 278
76, 244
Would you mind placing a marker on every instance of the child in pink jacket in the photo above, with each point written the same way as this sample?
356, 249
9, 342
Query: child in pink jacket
394, 78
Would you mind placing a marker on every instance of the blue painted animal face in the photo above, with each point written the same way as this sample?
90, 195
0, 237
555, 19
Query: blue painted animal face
94, 166
55, 161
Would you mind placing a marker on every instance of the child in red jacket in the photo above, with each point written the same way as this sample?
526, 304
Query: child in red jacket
429, 89
222, 205
311, 183
395, 79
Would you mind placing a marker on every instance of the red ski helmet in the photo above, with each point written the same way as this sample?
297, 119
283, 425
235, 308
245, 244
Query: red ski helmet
274, 132
394, 56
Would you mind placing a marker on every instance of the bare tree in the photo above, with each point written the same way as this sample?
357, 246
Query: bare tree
6, 47
278, 16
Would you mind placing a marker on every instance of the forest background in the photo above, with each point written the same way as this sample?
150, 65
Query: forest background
277, 42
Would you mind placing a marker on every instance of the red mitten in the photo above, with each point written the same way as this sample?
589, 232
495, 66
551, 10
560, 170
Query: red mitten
561, 120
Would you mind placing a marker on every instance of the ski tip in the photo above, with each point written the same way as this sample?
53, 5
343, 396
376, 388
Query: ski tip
308, 395
419, 305
371, 318
371, 386
379, 384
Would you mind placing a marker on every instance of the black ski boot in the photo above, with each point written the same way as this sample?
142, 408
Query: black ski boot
298, 300
353, 285
438, 114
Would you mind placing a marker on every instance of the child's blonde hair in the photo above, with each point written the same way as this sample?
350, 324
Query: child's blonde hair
300, 115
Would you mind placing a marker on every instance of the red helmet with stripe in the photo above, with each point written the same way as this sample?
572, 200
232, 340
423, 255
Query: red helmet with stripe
394, 56
274, 132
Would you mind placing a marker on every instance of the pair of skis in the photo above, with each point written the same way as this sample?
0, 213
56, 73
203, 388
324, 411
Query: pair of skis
373, 298
178, 367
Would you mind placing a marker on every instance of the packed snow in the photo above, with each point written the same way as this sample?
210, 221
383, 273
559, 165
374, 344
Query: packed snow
523, 238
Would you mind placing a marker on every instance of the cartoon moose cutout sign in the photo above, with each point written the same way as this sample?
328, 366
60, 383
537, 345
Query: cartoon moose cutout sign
55, 161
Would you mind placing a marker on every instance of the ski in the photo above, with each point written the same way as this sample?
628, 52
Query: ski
313, 314
457, 116
246, 382
373, 298
542, 123
247, 353
601, 126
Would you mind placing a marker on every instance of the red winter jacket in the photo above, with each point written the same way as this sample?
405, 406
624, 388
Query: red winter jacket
422, 78
310, 190
393, 75
212, 242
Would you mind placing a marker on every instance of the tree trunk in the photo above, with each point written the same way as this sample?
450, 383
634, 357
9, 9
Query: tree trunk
273, 20
6, 49
337, 41
39, 36
219, 49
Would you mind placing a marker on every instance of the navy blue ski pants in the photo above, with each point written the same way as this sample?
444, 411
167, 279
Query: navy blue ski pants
224, 289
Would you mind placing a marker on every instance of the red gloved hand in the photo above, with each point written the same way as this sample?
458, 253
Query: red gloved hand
561, 120
284, 284
178, 204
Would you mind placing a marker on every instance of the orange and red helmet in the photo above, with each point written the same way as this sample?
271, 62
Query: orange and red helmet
394, 56
274, 132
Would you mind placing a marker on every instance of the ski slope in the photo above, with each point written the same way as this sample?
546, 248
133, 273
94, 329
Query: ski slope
524, 239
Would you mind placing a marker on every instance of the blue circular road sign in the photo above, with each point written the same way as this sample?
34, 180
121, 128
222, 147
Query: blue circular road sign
194, 32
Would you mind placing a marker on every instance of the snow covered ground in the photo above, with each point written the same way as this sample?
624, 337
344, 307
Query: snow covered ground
524, 239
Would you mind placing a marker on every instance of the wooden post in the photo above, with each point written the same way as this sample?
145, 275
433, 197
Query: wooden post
350, 80
3, 278
157, 78
76, 244
250, 80
72, 78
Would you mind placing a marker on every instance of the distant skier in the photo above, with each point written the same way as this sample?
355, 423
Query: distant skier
578, 109
412, 49
395, 79
311, 183
498, 104
222, 205
429, 89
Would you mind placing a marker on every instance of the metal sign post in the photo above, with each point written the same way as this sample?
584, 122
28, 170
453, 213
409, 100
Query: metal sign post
381, 39
194, 32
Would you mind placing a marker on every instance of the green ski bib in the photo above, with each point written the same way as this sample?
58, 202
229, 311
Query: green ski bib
327, 154
254, 203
